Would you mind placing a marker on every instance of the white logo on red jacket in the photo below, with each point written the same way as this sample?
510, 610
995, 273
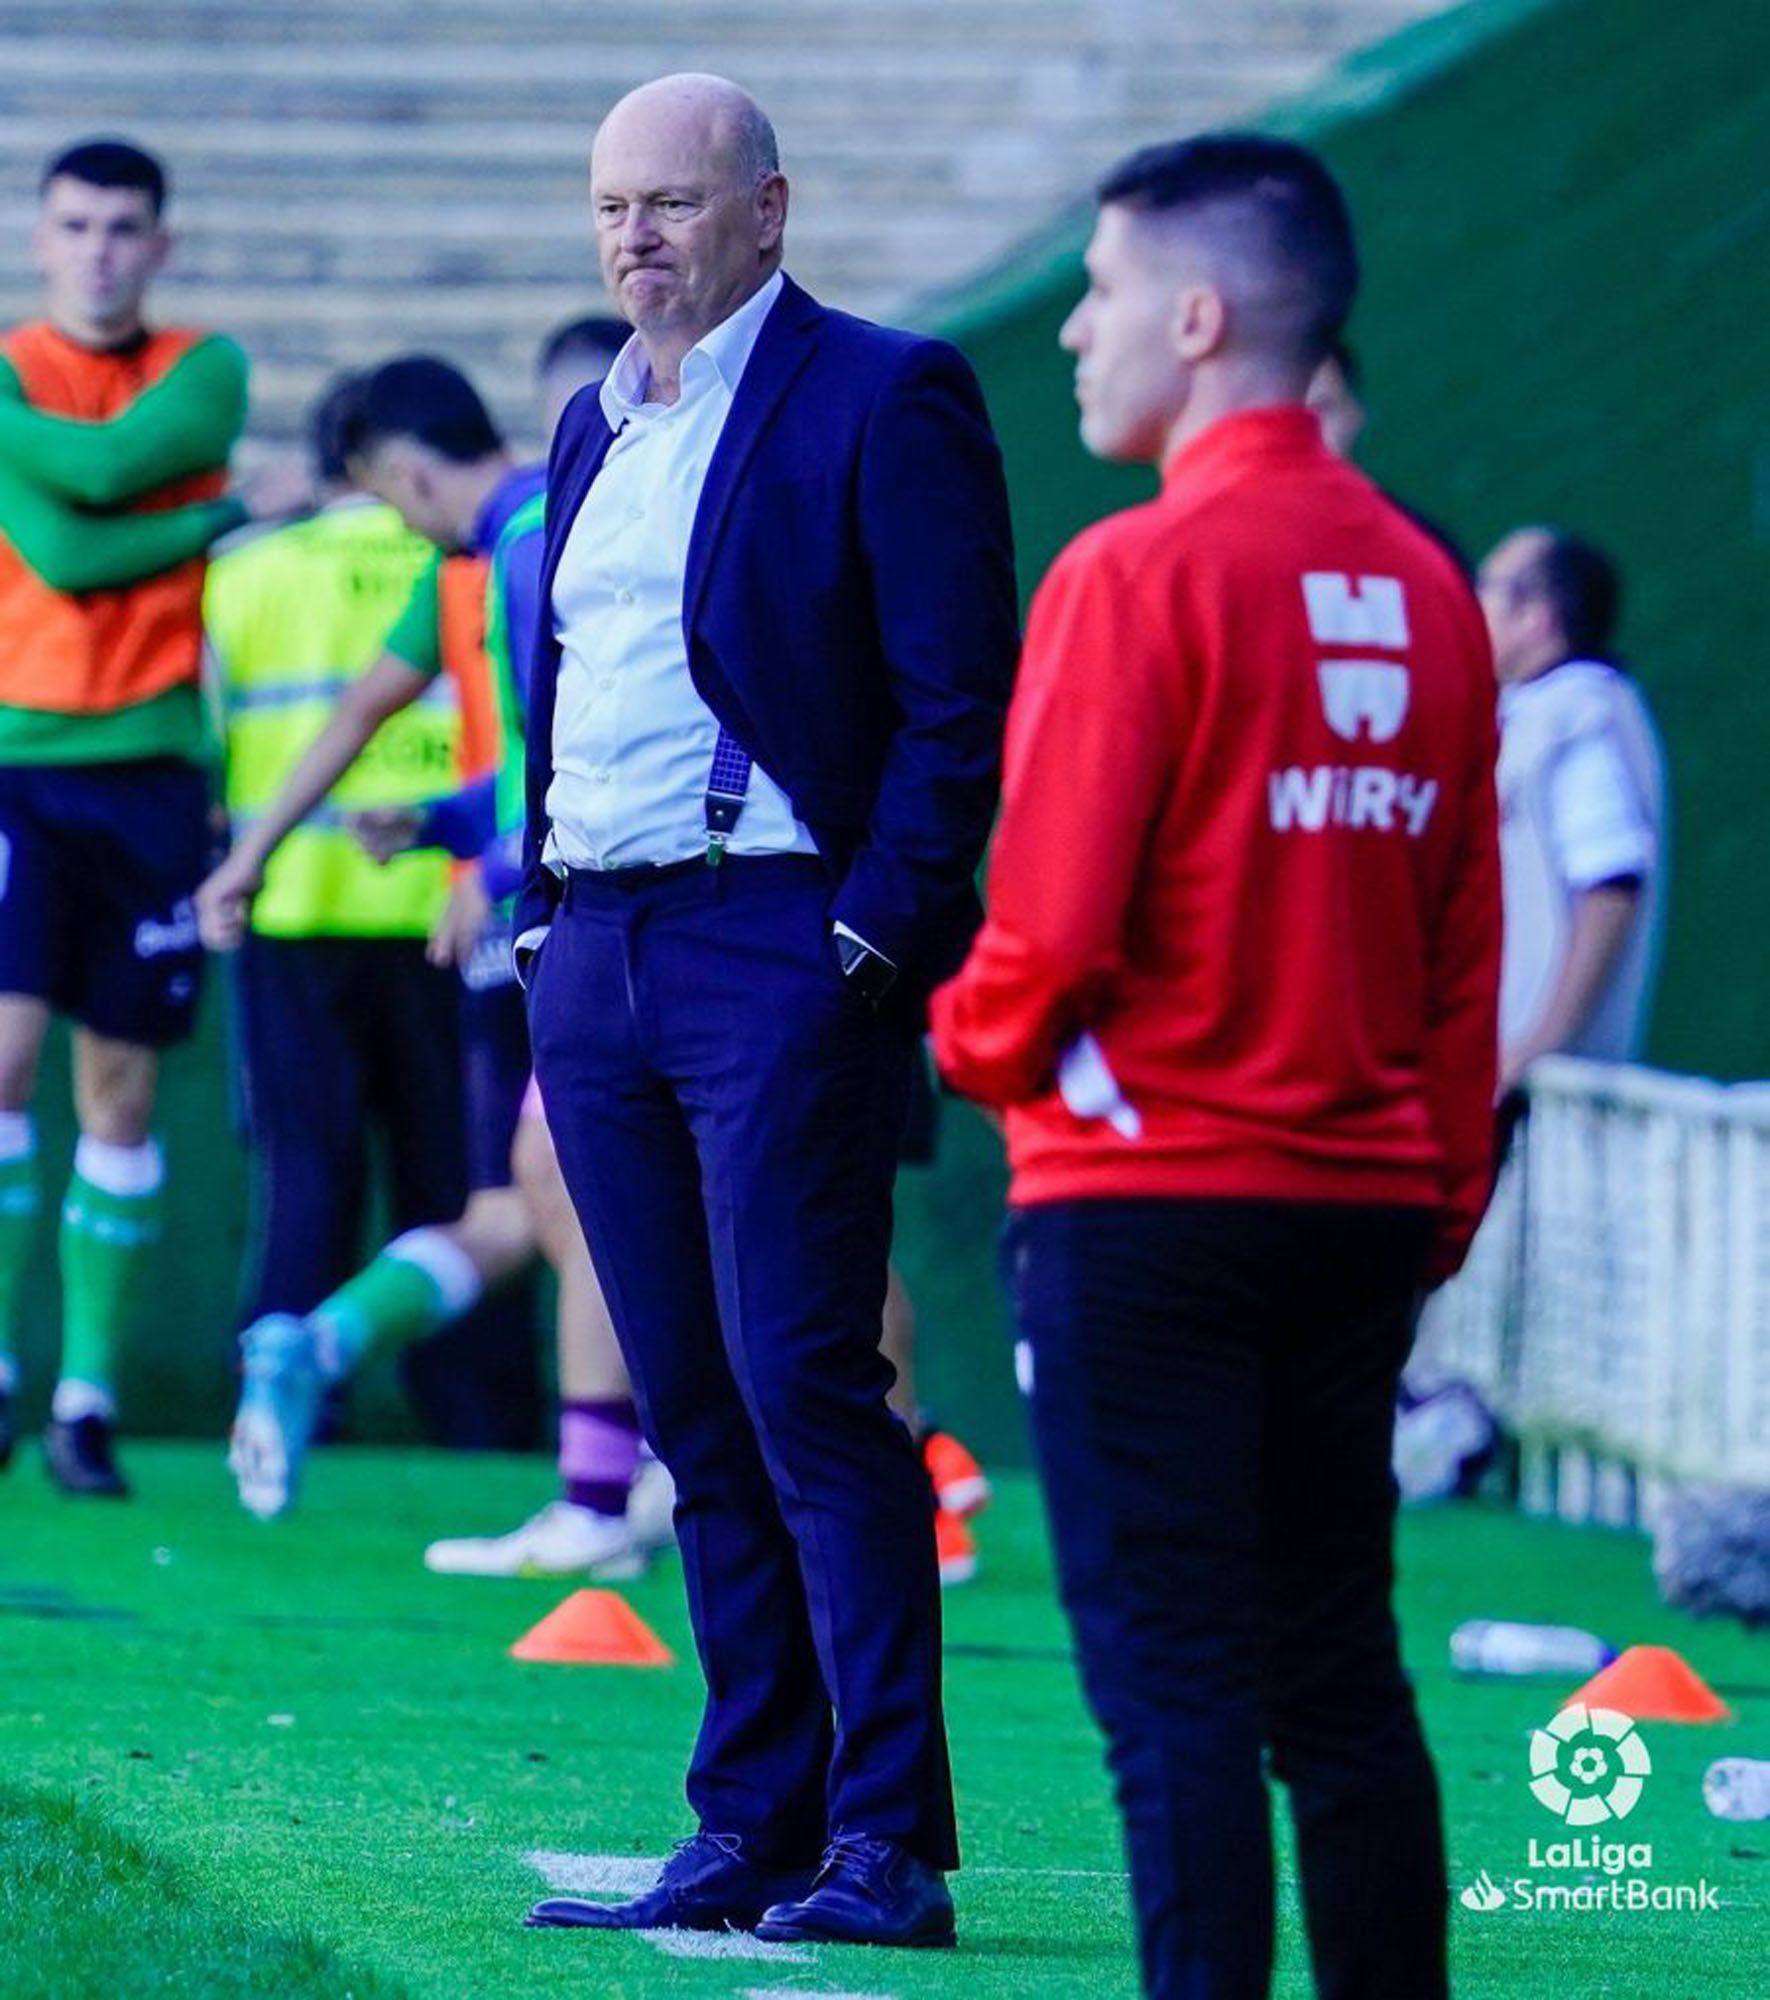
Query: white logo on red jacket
1351, 795
1361, 699
1370, 612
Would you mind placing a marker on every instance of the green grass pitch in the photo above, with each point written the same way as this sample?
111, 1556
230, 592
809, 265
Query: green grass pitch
286, 1761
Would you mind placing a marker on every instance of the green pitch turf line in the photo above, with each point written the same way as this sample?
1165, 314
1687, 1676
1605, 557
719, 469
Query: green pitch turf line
292, 1748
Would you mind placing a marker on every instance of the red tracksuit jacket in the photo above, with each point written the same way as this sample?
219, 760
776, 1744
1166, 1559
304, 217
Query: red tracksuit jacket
1247, 854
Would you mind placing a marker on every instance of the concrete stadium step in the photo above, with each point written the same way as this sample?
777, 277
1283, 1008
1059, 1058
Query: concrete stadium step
351, 179
728, 24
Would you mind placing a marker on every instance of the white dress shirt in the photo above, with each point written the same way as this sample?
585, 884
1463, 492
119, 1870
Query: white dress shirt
632, 739
1582, 803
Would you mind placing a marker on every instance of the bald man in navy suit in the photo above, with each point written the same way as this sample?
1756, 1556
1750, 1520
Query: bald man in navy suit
777, 643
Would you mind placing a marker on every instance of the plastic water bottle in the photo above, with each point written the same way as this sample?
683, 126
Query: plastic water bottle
1492, 1646
1738, 1788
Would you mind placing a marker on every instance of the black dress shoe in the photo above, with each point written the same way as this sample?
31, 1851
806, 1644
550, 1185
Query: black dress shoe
8, 1430
706, 1885
79, 1459
867, 1892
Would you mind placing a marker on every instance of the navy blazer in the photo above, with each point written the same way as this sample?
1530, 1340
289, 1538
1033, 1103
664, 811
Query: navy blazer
849, 614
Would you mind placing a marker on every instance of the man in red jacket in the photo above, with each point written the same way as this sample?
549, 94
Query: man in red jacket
1236, 998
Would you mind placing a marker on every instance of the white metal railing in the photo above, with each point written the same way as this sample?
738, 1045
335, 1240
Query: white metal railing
1615, 1309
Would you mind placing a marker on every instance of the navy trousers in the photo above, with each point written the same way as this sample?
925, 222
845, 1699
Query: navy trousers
1213, 1396
727, 1114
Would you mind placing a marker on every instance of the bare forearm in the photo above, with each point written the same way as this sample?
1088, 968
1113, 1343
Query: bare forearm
382, 692
1602, 921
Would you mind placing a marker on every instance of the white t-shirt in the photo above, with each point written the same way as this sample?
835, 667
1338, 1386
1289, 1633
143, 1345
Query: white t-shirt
1582, 802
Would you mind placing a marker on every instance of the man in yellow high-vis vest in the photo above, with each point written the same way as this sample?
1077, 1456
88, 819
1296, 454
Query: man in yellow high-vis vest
345, 1028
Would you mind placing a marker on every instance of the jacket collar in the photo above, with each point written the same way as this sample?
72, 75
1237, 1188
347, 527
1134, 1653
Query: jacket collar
576, 469
783, 346
782, 349
1245, 438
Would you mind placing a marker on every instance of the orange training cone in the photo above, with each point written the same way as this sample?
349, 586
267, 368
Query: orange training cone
1654, 1684
594, 1628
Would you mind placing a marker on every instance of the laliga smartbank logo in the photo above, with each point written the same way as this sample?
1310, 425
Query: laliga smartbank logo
1589, 1768
1589, 1765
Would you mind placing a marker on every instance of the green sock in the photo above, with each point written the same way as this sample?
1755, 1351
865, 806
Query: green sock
20, 1201
421, 1281
110, 1219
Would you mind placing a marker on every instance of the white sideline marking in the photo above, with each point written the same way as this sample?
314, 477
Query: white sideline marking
726, 1944
806, 1993
595, 1874
628, 1875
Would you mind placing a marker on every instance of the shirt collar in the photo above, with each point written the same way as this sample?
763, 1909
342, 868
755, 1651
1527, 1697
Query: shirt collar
727, 349
1246, 437
1587, 663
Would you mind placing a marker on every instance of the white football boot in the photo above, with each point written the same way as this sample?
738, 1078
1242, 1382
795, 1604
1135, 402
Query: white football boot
561, 1540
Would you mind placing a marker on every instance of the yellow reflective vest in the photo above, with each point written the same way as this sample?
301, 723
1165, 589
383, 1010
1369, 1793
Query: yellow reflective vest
293, 618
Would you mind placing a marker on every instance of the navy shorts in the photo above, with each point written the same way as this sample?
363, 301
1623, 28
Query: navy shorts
496, 1064
98, 865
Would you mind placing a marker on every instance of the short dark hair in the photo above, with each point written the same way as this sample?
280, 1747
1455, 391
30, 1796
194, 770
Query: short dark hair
109, 163
1584, 589
1293, 214
596, 334
330, 424
430, 401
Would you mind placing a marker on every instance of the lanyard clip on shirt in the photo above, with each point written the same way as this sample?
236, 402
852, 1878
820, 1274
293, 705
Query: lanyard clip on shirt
727, 785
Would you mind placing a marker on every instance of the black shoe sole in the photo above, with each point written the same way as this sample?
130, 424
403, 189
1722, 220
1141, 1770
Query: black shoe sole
680, 1920
806, 1934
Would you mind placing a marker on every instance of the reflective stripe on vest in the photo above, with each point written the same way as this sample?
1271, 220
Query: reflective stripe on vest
327, 688
295, 618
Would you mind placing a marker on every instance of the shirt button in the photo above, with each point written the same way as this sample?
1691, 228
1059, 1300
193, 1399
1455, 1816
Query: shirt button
606, 684
604, 777
623, 597
635, 513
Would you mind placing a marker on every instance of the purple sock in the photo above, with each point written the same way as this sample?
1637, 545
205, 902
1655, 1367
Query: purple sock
598, 1449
